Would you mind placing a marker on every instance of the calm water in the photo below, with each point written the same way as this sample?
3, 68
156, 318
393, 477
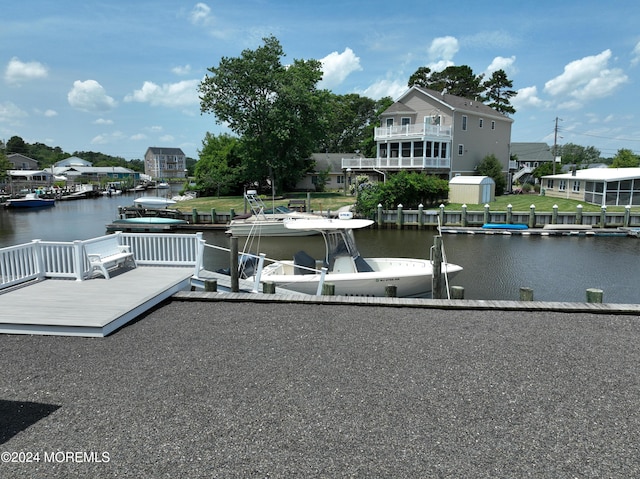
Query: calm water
495, 267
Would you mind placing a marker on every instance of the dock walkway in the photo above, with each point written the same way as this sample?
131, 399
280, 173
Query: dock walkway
95, 307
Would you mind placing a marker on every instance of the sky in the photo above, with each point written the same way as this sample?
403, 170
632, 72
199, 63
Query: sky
120, 76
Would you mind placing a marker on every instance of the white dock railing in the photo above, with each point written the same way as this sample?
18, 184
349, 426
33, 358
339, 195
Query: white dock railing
53, 259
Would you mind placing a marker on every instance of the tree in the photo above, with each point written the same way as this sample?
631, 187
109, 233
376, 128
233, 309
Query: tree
459, 81
572, 154
275, 110
499, 92
16, 145
420, 78
219, 170
491, 167
4, 165
625, 159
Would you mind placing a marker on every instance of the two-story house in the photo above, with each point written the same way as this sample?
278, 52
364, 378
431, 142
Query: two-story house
165, 162
437, 133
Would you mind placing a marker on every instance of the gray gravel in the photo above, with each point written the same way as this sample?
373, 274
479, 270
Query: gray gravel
239, 390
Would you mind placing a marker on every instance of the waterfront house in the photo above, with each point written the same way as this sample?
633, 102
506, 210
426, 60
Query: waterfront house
529, 156
437, 133
161, 162
336, 177
21, 162
598, 186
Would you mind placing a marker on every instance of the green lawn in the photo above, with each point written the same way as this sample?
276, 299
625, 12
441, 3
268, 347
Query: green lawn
333, 201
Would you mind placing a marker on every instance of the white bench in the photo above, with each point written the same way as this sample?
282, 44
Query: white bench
107, 253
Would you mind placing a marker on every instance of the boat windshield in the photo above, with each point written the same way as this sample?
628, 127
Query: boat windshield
340, 243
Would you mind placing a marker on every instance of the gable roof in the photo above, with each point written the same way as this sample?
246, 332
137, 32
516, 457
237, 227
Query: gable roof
531, 151
452, 102
159, 150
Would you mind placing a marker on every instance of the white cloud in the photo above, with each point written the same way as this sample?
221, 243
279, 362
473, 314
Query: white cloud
338, 66
103, 121
90, 96
50, 113
382, 88
201, 14
527, 97
139, 137
635, 55
182, 70
441, 52
502, 63
18, 72
184, 93
585, 79
9, 112
167, 139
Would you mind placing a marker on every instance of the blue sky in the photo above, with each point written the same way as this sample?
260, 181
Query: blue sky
120, 76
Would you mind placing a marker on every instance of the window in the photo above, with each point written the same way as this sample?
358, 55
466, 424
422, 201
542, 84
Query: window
493, 125
481, 122
550, 184
405, 121
406, 149
576, 187
460, 149
443, 150
562, 186
464, 122
389, 122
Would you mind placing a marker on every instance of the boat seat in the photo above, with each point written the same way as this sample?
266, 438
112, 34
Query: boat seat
302, 258
343, 264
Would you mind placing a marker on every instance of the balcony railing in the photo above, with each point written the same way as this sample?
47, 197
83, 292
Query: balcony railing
395, 163
412, 131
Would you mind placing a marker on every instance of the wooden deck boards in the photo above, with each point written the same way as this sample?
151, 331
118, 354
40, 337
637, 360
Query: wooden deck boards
94, 307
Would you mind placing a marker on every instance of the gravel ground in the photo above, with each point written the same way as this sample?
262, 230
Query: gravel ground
240, 390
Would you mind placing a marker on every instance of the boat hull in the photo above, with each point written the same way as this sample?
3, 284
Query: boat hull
31, 203
273, 225
411, 277
153, 202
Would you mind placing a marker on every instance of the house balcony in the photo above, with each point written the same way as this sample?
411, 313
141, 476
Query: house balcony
415, 131
403, 163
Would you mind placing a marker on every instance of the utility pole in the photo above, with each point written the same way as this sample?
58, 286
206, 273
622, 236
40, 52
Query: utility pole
555, 145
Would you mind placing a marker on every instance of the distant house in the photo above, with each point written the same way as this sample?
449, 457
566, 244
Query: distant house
437, 133
71, 162
598, 186
337, 178
529, 156
160, 162
21, 162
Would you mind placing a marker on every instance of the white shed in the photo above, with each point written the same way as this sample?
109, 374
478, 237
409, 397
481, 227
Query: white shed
475, 190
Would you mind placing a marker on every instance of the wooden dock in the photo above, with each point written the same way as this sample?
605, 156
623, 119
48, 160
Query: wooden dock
94, 308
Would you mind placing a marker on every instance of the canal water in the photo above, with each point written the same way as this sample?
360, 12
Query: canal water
495, 266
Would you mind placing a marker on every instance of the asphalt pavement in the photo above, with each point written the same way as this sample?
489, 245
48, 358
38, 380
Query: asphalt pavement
243, 390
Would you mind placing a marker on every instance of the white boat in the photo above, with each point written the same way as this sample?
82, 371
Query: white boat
163, 185
350, 274
31, 200
263, 222
153, 202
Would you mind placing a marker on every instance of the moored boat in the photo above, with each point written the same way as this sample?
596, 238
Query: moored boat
347, 270
153, 202
145, 223
31, 200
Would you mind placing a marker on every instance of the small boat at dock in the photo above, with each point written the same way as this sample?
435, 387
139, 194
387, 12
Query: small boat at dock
145, 223
31, 200
153, 202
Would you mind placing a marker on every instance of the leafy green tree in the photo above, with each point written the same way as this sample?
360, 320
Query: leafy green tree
459, 81
421, 77
219, 170
4, 166
275, 109
499, 92
572, 154
16, 145
491, 167
625, 159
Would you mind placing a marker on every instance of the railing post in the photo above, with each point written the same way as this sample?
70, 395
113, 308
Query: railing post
554, 215
441, 215
37, 253
627, 216
194, 216
603, 216
487, 216
399, 219
258, 275
420, 216
509, 213
532, 216
579, 214
380, 222
213, 216
323, 273
436, 267
78, 259
199, 255
463, 220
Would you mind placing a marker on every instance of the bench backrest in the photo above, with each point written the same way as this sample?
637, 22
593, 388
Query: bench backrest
105, 246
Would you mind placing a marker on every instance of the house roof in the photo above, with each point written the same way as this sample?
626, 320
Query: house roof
531, 151
460, 103
72, 161
160, 150
58, 170
398, 108
600, 174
